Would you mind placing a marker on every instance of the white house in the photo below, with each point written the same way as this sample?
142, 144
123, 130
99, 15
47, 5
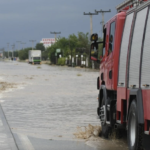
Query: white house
47, 42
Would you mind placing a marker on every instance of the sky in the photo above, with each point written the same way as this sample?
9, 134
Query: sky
24, 20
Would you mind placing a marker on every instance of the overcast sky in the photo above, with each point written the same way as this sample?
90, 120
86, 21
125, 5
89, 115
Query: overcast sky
24, 20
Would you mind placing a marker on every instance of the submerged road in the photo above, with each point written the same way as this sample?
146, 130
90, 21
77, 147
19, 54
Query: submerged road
45, 104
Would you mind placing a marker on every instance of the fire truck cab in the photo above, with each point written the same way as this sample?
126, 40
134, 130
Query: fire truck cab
124, 80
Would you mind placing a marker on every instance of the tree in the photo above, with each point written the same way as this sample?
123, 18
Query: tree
83, 40
40, 46
45, 55
23, 54
51, 50
70, 45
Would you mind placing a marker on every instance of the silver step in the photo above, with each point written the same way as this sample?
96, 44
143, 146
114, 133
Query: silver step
118, 121
146, 132
107, 122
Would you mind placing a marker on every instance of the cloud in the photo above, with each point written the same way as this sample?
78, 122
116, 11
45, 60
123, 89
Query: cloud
25, 19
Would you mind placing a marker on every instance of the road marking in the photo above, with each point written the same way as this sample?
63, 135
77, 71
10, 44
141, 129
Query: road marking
27, 145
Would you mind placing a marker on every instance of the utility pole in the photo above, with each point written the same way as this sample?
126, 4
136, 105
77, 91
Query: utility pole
23, 45
91, 28
18, 44
71, 53
2, 50
3, 53
8, 49
55, 34
102, 12
91, 23
32, 43
13, 46
102, 28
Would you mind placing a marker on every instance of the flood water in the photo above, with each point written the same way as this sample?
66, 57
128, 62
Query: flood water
49, 102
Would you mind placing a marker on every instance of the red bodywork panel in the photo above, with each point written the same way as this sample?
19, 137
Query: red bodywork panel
146, 107
146, 103
121, 95
110, 61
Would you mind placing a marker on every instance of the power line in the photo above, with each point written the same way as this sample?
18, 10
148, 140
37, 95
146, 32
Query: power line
55, 34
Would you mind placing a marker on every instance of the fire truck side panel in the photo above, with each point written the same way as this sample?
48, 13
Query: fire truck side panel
135, 52
121, 90
118, 37
135, 64
145, 74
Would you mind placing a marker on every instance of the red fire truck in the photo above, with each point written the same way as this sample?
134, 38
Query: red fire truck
124, 80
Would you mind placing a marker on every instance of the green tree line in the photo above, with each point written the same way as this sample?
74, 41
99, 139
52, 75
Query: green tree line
73, 45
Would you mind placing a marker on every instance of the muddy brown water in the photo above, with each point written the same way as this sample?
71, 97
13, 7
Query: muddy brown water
51, 102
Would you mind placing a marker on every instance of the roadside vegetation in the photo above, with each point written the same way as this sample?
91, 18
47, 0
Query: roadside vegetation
61, 61
73, 45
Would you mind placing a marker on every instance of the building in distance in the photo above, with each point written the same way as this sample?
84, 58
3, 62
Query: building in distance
47, 42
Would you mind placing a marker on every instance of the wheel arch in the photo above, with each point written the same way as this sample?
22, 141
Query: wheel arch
102, 93
136, 94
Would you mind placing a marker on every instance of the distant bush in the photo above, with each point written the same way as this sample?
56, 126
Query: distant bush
61, 61
23, 54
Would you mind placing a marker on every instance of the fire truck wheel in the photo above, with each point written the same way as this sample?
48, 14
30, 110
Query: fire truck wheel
105, 128
135, 130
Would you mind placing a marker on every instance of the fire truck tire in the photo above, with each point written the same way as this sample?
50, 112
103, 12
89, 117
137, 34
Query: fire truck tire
105, 128
135, 130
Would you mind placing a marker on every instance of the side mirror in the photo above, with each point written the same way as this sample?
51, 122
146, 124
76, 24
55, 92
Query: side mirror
94, 51
94, 37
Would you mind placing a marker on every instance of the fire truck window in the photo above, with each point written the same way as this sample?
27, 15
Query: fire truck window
111, 37
104, 37
103, 51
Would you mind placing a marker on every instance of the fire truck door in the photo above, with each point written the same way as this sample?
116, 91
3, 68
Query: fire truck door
109, 60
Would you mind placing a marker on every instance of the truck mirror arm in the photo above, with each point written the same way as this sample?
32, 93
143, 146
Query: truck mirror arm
100, 42
98, 61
